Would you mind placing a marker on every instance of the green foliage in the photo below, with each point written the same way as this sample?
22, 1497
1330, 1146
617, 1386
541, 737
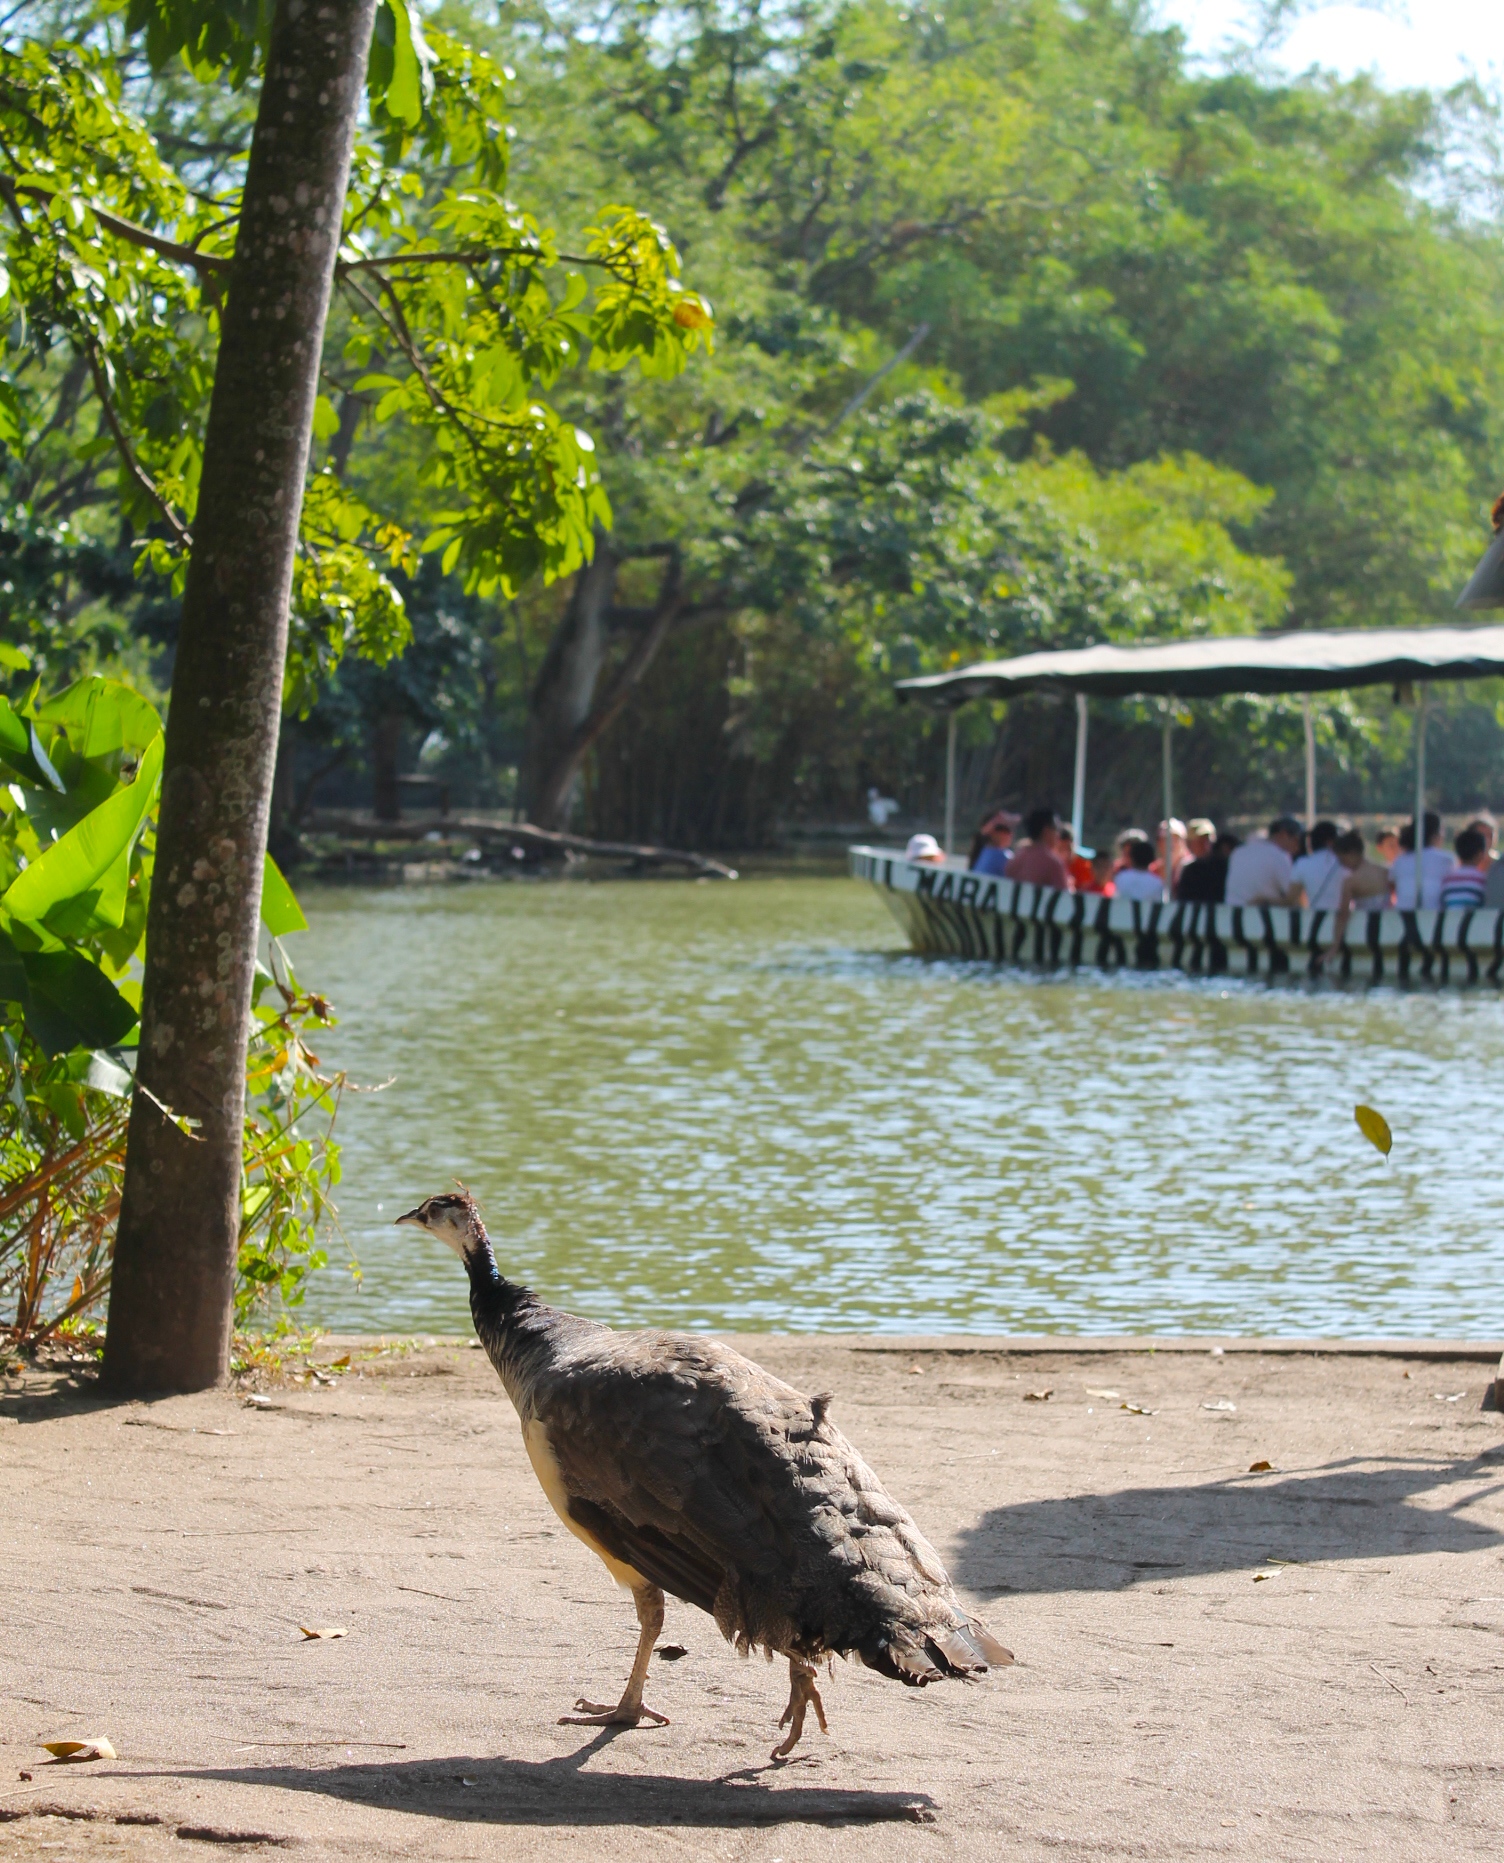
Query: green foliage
456, 312
77, 839
291, 1161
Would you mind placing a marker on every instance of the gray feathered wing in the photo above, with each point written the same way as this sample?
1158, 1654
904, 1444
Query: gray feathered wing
729, 1489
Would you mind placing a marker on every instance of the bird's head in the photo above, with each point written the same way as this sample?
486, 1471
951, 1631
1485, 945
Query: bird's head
453, 1217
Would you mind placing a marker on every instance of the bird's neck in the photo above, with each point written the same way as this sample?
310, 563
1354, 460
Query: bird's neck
506, 1317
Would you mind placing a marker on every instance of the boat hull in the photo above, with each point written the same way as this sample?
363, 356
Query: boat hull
957, 914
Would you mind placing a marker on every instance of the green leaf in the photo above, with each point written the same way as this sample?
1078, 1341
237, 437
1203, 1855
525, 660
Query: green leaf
280, 911
84, 878
67, 1001
101, 716
12, 418
401, 66
21, 748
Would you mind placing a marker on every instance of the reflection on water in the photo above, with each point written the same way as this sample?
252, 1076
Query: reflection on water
744, 1107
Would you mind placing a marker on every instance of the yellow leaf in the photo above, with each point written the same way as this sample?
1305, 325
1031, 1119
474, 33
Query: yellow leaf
1375, 1128
314, 1636
93, 1749
690, 313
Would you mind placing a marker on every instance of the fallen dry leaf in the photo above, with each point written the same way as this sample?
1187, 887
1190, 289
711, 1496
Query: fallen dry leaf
671, 1652
1091, 1393
1221, 1404
916, 1371
1039, 1397
255, 1401
1259, 1468
1259, 1577
313, 1636
96, 1747
1448, 1397
343, 1363
1138, 1410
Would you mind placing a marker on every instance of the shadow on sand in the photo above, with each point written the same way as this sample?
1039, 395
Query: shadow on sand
560, 1791
1359, 1508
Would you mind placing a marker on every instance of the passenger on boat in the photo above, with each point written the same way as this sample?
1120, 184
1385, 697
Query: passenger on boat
1260, 872
1467, 883
991, 842
1487, 825
1203, 881
1075, 862
1365, 885
1038, 862
1138, 880
1200, 837
1178, 849
1436, 864
1318, 873
1103, 867
925, 849
1386, 846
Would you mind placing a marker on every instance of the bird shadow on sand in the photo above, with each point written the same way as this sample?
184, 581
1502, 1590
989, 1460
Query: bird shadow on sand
474, 1790
1357, 1508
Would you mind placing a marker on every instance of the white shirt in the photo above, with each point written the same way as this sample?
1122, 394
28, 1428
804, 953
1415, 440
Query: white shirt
1137, 883
1321, 874
1258, 873
1436, 864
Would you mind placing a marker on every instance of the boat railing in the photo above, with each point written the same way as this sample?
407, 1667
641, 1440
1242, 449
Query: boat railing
960, 914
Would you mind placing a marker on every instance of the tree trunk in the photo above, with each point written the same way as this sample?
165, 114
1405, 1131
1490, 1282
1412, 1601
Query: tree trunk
171, 1297
564, 695
386, 746
565, 719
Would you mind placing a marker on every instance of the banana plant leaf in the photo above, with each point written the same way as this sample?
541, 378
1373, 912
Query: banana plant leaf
22, 750
80, 883
67, 1001
280, 911
101, 716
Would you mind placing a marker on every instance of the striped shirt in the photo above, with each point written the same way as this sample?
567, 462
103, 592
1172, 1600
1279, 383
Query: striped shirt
1463, 886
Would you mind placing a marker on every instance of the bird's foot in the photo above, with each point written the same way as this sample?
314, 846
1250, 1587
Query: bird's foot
624, 1714
803, 1695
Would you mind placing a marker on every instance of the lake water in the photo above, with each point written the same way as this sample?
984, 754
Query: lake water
746, 1106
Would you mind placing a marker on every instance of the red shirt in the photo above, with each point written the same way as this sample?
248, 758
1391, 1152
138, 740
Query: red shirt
1038, 866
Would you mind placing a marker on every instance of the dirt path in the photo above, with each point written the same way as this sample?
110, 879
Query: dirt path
1306, 1662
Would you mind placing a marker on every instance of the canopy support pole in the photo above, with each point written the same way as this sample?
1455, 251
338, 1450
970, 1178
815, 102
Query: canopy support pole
1168, 876
1420, 785
1310, 763
1078, 794
950, 781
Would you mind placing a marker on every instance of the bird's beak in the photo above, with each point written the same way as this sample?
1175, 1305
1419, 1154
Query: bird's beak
415, 1217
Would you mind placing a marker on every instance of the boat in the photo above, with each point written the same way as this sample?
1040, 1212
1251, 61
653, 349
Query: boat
947, 911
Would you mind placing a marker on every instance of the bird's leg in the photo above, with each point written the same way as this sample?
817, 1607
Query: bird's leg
630, 1710
803, 1695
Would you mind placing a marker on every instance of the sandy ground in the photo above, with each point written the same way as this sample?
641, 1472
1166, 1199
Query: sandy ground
1306, 1662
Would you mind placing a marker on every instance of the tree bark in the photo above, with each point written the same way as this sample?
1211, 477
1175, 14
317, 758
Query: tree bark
565, 718
171, 1296
386, 746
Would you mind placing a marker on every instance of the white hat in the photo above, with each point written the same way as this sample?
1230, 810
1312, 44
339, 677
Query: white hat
923, 847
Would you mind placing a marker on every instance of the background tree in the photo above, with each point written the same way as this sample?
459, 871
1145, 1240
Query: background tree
1295, 281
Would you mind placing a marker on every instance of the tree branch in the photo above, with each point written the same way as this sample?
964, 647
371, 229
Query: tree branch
133, 465
125, 229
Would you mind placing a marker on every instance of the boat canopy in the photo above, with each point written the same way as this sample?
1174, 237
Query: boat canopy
1297, 662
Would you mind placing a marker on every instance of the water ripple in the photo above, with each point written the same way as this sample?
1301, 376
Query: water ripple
744, 1107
